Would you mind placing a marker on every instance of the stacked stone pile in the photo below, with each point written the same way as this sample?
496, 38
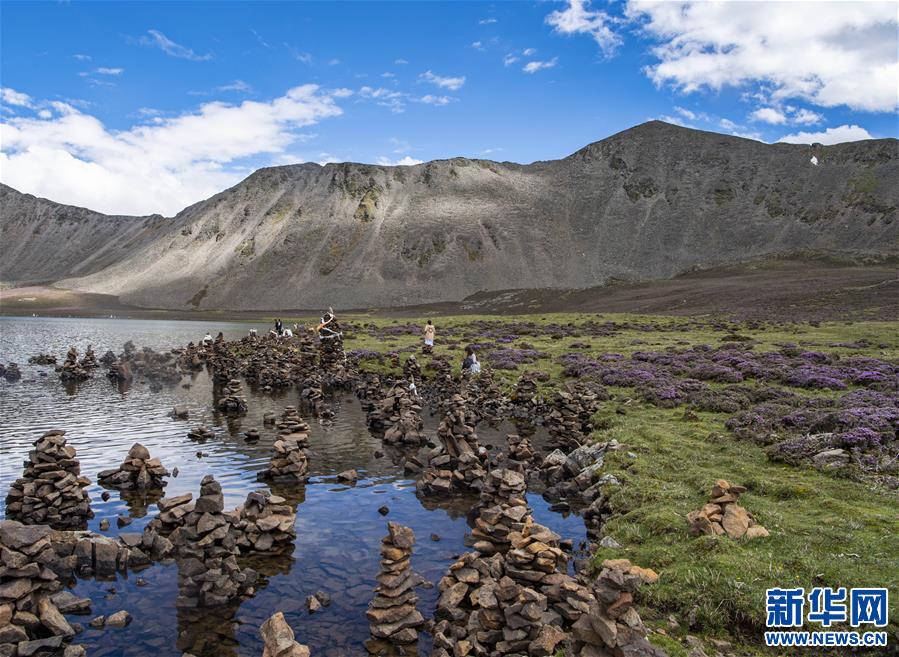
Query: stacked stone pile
172, 511
289, 461
10, 372
455, 464
50, 489
30, 622
534, 554
71, 369
278, 639
525, 394
368, 390
501, 511
392, 614
569, 421
611, 625
266, 524
42, 359
573, 475
206, 549
89, 360
722, 515
137, 472
231, 400
412, 370
518, 455
311, 392
201, 433
397, 416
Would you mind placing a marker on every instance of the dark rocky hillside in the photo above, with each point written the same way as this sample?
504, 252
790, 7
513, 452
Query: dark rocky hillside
646, 204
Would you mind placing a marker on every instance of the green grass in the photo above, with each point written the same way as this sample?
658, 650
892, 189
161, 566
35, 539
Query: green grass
825, 530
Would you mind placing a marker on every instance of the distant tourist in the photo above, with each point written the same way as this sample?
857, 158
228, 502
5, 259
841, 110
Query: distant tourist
429, 333
279, 327
471, 365
207, 339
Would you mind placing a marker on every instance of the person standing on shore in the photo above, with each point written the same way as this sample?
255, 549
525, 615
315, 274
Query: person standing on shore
429, 333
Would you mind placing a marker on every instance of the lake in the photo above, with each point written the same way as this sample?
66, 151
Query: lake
339, 528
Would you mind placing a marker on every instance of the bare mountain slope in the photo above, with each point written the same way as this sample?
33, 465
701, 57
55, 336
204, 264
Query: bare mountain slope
648, 203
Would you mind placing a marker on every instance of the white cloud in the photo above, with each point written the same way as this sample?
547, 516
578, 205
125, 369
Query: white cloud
509, 59
341, 92
72, 157
13, 97
578, 18
169, 47
486, 21
104, 70
394, 100
529, 52
429, 99
533, 67
238, 85
806, 117
81, 57
402, 162
400, 62
333, 62
828, 53
477, 45
768, 115
388, 74
451, 83
836, 135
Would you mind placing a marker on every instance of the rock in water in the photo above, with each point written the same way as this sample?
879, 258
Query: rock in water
137, 472
279, 639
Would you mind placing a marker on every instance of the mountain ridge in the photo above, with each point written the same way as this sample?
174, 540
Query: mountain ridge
647, 203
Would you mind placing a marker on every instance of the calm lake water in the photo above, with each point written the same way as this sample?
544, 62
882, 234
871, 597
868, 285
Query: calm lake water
338, 527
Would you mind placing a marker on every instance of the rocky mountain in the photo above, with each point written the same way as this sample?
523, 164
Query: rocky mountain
648, 203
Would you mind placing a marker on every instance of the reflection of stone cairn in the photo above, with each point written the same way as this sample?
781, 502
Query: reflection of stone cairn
569, 420
137, 472
392, 613
89, 360
611, 625
722, 515
232, 401
501, 511
289, 460
455, 464
412, 370
71, 369
266, 524
30, 621
50, 489
278, 639
208, 573
397, 414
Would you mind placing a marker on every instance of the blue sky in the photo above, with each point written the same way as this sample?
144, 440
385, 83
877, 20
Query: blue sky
147, 107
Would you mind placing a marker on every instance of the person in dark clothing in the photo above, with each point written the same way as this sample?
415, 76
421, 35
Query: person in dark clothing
279, 327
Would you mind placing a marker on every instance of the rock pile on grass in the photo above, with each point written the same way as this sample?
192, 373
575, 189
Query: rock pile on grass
612, 625
50, 489
266, 524
137, 472
392, 614
412, 370
30, 622
278, 639
206, 548
722, 515
231, 400
569, 421
455, 464
71, 369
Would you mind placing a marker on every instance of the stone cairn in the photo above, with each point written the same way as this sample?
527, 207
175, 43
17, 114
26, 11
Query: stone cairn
71, 369
392, 614
455, 464
611, 625
11, 372
722, 515
502, 510
525, 394
289, 461
396, 416
30, 621
266, 524
50, 489
201, 433
412, 370
137, 472
278, 639
331, 356
89, 360
206, 549
569, 422
368, 390
42, 359
518, 455
232, 401
172, 511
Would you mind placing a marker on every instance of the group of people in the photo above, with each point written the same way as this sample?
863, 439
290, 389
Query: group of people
470, 364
